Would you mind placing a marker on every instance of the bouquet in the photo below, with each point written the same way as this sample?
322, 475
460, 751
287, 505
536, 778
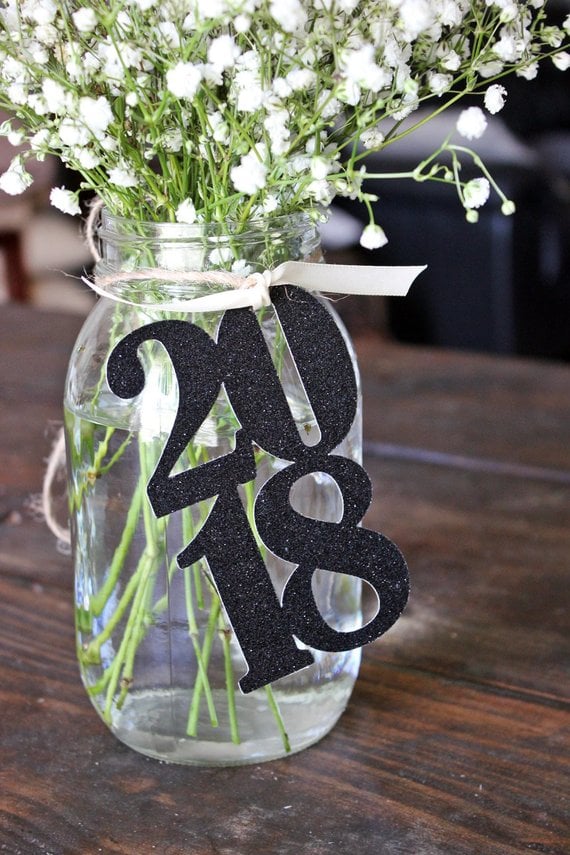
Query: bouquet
215, 110
216, 114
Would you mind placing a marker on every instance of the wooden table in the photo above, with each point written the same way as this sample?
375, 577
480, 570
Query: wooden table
456, 738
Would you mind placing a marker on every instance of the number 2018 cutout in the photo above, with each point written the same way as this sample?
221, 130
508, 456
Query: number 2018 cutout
240, 360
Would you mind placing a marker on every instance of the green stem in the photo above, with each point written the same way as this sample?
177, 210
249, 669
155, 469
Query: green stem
225, 634
194, 636
188, 528
100, 599
192, 724
274, 707
188, 533
121, 655
92, 654
116, 456
136, 635
135, 630
93, 472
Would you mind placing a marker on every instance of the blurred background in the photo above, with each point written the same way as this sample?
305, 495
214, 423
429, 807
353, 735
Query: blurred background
501, 285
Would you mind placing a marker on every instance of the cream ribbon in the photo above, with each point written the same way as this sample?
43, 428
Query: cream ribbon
254, 290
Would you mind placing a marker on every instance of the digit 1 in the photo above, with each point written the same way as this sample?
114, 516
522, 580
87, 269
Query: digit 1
243, 583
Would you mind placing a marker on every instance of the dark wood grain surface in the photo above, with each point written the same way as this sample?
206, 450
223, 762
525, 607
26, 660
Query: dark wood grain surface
456, 740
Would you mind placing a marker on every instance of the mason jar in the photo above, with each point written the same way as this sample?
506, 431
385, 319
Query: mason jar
158, 655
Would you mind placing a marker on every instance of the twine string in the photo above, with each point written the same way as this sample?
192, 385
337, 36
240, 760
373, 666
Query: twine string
254, 288
95, 210
55, 463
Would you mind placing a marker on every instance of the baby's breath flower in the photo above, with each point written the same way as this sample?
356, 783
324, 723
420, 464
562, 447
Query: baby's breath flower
320, 168
439, 83
327, 105
321, 191
39, 141
41, 11
65, 201
471, 123
96, 114
562, 60
219, 128
476, 192
86, 158
121, 176
249, 94
360, 68
495, 98
372, 138
529, 71
250, 175
56, 98
221, 256
172, 140
169, 34
16, 138
183, 80
241, 267
451, 61
276, 125
47, 35
223, 52
417, 16
507, 47
109, 143
281, 87
373, 237
85, 19
349, 92
73, 133
270, 204
289, 14
242, 23
301, 79
18, 94
15, 180
196, 106
186, 212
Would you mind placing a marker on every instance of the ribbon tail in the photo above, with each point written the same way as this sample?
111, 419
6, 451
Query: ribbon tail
365, 280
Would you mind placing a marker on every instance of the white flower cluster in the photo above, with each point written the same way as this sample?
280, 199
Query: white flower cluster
201, 110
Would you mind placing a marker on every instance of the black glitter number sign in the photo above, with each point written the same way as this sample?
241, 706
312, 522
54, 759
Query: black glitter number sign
265, 628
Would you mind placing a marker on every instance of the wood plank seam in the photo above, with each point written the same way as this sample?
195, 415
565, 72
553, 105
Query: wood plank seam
498, 689
458, 461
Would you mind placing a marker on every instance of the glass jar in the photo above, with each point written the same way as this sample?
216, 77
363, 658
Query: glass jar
158, 656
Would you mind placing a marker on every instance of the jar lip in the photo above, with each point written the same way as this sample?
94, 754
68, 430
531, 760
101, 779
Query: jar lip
117, 228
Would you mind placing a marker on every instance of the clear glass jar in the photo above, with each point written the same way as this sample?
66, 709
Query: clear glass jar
157, 654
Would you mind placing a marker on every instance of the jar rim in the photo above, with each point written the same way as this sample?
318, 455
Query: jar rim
137, 247
117, 228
